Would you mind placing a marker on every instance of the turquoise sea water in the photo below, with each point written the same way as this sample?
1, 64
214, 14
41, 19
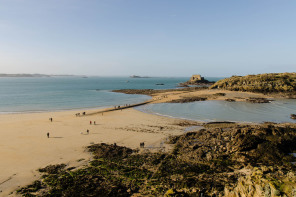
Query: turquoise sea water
18, 95
62, 93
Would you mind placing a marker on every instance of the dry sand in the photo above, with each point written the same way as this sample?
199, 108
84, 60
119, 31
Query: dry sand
24, 146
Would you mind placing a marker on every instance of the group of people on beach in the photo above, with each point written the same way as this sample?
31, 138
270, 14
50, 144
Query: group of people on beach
87, 131
50, 119
78, 114
142, 144
90, 122
118, 107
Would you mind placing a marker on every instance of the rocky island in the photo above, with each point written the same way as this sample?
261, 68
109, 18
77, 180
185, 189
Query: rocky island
270, 83
137, 76
196, 80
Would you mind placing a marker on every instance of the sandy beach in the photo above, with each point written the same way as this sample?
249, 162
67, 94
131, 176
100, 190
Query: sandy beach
26, 148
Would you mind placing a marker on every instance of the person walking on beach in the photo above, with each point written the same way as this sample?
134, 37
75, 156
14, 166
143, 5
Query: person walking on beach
89, 122
47, 134
50, 119
94, 122
87, 131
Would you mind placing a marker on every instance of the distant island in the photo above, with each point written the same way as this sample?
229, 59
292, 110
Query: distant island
136, 76
32, 75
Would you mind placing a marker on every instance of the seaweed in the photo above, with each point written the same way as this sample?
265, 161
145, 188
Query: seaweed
204, 163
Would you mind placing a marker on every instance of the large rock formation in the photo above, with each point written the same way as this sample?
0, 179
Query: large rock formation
224, 159
265, 83
196, 80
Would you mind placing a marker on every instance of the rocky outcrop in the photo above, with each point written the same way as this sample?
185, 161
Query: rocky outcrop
153, 91
258, 100
223, 159
256, 156
264, 83
188, 99
230, 100
196, 80
259, 183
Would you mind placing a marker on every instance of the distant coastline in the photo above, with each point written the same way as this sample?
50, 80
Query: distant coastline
32, 75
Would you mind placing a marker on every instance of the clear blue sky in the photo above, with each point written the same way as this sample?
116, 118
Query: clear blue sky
148, 37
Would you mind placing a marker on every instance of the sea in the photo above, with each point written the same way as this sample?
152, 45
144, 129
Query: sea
57, 93
38, 94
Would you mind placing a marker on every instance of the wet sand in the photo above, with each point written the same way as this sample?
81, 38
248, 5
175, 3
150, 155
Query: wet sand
206, 93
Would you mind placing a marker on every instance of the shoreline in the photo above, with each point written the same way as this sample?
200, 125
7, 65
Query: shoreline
26, 147
164, 96
161, 96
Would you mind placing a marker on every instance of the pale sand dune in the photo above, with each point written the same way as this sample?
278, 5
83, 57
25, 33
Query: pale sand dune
24, 146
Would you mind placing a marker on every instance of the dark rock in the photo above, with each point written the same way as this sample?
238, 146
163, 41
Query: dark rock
258, 100
188, 100
219, 94
53, 169
152, 91
230, 100
110, 151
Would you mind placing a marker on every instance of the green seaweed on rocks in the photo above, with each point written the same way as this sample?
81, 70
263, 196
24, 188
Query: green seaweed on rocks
232, 160
264, 83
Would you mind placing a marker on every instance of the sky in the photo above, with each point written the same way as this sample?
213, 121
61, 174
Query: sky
215, 38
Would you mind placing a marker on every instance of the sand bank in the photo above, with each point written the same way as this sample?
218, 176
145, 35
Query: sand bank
24, 146
212, 94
